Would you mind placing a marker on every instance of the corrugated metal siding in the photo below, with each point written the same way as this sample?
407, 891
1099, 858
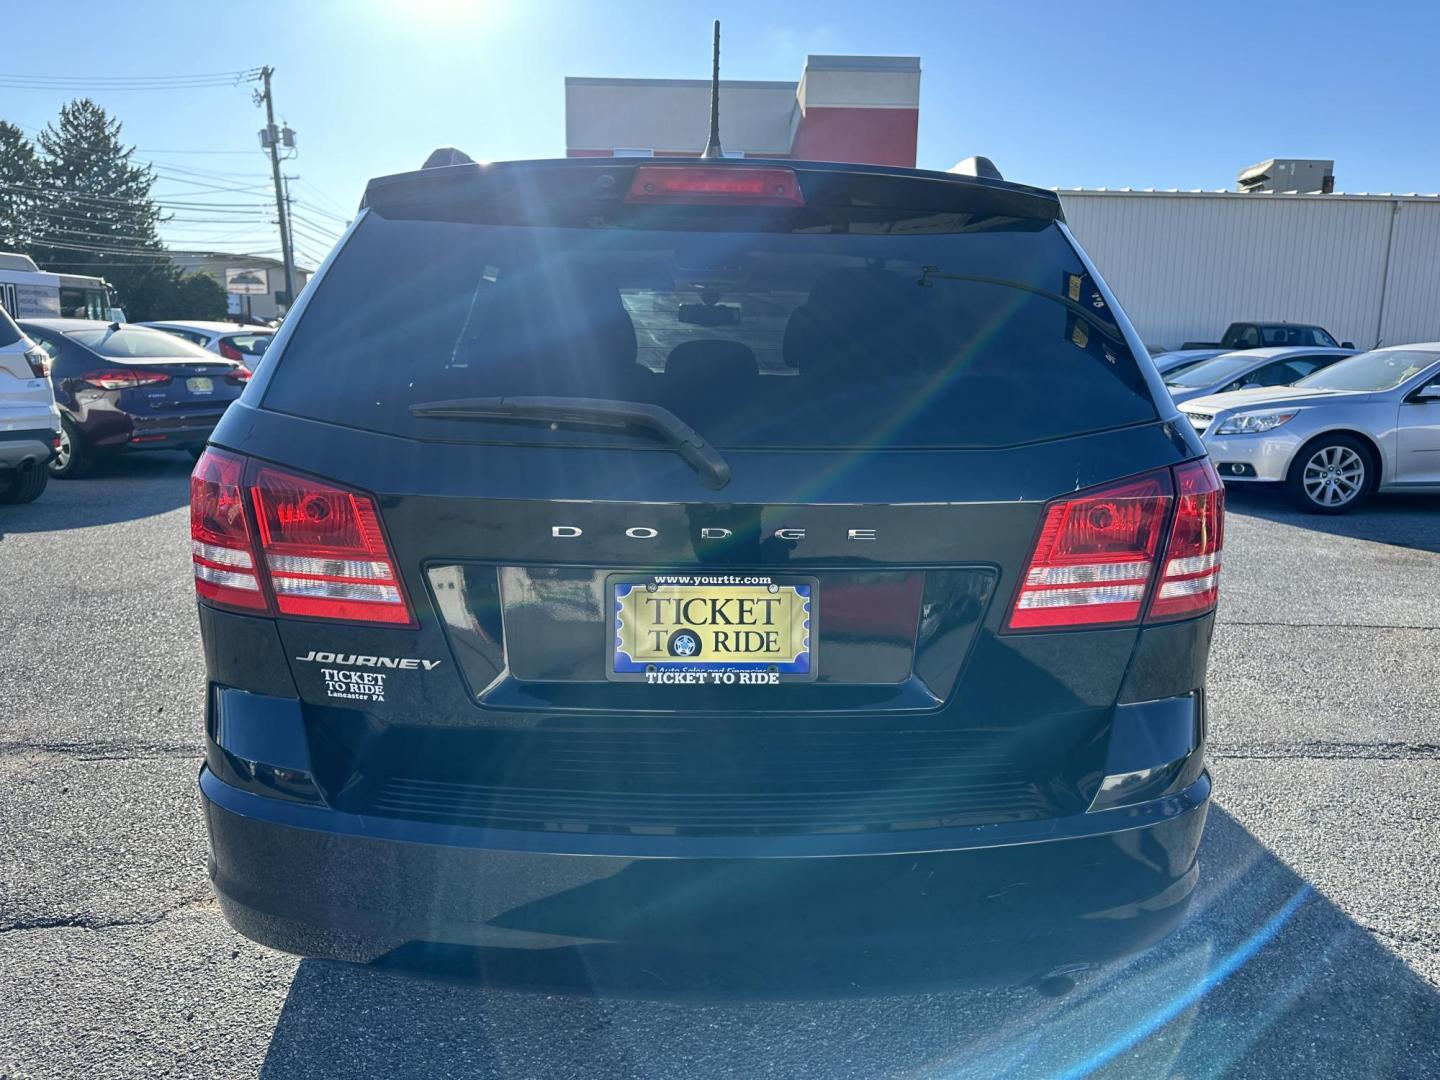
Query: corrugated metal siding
1184, 266
1412, 296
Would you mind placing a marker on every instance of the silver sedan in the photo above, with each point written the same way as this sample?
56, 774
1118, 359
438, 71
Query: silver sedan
1246, 368
1368, 423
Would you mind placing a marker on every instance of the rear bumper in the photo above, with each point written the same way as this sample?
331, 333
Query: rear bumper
985, 903
114, 431
26, 448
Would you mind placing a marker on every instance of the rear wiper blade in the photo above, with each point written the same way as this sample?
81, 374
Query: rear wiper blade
698, 454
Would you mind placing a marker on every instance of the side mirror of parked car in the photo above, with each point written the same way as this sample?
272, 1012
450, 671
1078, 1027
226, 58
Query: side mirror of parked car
1347, 344
1428, 392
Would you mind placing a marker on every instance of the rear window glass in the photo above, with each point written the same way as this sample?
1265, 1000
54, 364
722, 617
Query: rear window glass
1298, 335
250, 344
134, 343
9, 332
988, 337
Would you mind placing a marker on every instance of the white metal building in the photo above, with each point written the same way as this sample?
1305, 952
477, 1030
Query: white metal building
1184, 265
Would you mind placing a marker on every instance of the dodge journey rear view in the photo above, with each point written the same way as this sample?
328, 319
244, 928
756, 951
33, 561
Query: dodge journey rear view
689, 555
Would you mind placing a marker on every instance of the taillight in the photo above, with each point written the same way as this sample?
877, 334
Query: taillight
1098, 551
325, 553
124, 378
1190, 582
39, 361
230, 352
220, 541
240, 374
715, 185
1095, 557
318, 549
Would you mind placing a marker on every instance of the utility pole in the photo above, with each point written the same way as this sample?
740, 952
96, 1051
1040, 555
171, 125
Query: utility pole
270, 138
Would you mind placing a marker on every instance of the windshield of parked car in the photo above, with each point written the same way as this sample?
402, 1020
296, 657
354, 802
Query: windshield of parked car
1381, 370
1210, 372
136, 342
755, 339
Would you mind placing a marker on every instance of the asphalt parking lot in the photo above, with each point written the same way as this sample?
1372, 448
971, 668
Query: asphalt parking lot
1313, 948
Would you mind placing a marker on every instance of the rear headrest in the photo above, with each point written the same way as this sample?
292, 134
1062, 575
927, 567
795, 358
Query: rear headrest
712, 361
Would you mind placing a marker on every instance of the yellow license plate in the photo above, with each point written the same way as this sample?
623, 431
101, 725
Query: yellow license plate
201, 384
722, 629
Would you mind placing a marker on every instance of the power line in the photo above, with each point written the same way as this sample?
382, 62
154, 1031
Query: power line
344, 222
152, 150
110, 83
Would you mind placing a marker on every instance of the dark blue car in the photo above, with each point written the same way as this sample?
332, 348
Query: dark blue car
122, 388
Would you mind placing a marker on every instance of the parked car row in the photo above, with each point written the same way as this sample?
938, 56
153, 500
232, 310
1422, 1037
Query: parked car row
119, 387
1349, 428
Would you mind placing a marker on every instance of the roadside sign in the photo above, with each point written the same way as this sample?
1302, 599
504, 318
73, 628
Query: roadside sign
246, 282
234, 305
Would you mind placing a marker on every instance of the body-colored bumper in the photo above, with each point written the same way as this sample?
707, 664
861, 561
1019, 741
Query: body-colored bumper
998, 904
1269, 454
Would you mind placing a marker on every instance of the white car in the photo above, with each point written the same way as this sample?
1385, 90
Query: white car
1247, 369
29, 421
245, 344
1369, 423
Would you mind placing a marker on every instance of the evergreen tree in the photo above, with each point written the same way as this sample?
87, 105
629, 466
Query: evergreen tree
99, 217
198, 296
20, 180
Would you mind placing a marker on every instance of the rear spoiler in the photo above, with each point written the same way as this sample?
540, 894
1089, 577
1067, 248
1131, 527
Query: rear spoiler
565, 191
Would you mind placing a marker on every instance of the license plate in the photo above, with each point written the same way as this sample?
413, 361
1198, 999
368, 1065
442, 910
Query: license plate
716, 630
200, 384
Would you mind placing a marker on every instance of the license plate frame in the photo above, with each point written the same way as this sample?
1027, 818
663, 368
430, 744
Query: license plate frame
200, 385
626, 661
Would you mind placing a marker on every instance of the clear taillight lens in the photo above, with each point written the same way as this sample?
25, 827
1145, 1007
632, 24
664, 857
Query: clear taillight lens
1190, 581
1095, 557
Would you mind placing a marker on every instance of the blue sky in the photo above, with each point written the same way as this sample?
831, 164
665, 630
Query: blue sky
1058, 94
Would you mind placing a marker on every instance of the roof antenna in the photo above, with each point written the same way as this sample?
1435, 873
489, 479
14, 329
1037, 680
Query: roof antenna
712, 145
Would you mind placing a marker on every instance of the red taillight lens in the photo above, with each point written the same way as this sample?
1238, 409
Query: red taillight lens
125, 378
220, 543
230, 352
1095, 557
39, 361
240, 374
1190, 583
325, 553
715, 185
1097, 553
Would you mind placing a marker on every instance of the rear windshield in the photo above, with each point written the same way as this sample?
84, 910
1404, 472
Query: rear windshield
135, 343
9, 332
988, 337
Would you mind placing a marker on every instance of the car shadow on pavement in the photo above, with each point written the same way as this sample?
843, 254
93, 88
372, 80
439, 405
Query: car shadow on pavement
1411, 521
1265, 978
117, 489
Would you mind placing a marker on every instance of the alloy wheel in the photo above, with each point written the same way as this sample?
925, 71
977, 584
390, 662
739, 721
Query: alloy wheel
1334, 476
62, 454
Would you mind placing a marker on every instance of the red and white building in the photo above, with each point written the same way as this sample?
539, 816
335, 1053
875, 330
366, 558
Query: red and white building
844, 108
